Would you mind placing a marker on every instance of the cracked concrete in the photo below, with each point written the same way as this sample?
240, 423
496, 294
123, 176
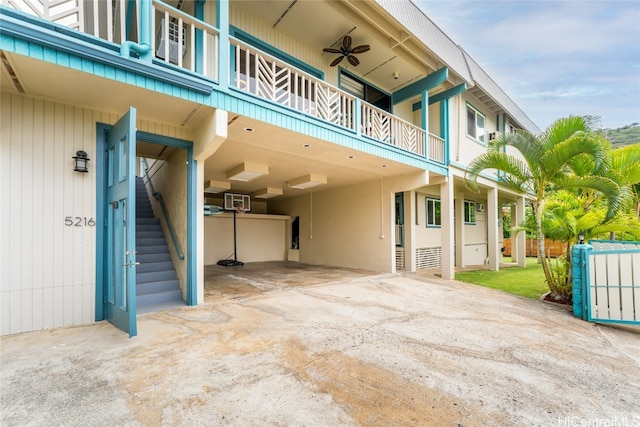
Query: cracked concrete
287, 344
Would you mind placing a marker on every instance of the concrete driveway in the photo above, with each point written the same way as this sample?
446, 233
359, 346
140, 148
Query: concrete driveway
292, 345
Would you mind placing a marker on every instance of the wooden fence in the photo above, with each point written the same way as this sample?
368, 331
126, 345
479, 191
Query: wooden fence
552, 248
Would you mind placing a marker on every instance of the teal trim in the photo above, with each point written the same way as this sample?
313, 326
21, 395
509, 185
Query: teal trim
432, 80
192, 192
59, 45
424, 116
192, 230
165, 212
626, 242
578, 263
426, 212
484, 116
442, 96
143, 49
275, 52
444, 127
100, 167
222, 21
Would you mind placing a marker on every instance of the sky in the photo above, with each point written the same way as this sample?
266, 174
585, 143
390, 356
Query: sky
553, 58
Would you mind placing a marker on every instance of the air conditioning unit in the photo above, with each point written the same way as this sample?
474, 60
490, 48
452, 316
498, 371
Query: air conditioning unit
480, 207
494, 135
173, 41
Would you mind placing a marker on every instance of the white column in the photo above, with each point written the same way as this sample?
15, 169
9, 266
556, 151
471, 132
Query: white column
519, 244
409, 230
208, 137
447, 229
459, 230
492, 229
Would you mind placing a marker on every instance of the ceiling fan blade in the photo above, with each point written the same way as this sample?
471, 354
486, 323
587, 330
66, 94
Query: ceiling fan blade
353, 60
361, 49
331, 50
337, 61
346, 42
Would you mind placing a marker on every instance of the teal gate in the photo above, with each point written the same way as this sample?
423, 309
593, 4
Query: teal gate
606, 281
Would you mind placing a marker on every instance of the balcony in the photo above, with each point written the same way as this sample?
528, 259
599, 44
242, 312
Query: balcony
261, 75
180, 41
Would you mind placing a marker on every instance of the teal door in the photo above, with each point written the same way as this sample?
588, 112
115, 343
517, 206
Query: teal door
120, 243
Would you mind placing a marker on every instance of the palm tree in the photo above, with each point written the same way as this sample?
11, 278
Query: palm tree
545, 164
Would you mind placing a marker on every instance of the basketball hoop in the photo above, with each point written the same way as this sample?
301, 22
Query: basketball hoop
237, 209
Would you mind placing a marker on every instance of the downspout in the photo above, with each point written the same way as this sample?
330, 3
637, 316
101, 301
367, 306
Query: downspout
143, 49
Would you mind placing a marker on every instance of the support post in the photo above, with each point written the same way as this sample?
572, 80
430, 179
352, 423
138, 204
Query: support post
492, 229
447, 228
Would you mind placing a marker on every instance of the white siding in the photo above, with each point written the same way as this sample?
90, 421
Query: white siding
48, 269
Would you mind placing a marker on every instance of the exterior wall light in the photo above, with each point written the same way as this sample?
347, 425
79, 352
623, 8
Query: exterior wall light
81, 161
581, 238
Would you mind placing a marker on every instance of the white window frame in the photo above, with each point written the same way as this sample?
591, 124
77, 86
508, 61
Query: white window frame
433, 222
473, 133
469, 212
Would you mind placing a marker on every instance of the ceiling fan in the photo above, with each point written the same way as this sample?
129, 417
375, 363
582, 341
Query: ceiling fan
347, 51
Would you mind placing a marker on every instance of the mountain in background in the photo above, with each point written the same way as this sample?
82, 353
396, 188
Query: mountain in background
623, 136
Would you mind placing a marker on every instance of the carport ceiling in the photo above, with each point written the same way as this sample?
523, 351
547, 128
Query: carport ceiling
290, 155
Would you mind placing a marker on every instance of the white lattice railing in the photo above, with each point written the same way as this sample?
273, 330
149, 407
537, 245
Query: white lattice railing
63, 12
108, 20
267, 77
384, 126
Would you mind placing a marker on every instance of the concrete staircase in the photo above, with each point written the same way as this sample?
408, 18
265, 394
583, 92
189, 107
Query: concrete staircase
157, 286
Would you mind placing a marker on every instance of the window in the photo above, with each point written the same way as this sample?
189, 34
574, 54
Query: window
364, 91
469, 212
475, 124
433, 213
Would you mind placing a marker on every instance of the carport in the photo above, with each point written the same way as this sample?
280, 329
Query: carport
263, 277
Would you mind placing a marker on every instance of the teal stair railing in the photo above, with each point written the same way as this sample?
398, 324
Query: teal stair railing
163, 207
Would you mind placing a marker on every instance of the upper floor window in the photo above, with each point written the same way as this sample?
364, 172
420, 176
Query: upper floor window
365, 91
433, 213
469, 212
476, 123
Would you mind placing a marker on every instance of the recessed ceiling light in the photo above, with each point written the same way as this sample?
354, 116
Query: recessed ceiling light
384, 166
248, 129
306, 145
351, 157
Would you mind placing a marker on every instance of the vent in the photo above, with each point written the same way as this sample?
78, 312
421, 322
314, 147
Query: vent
428, 258
399, 258
480, 207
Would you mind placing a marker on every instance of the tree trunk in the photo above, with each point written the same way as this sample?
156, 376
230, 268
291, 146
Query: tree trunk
539, 207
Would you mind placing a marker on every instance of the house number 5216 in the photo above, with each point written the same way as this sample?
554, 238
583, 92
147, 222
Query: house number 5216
79, 221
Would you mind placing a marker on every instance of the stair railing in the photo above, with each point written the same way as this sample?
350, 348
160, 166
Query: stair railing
165, 212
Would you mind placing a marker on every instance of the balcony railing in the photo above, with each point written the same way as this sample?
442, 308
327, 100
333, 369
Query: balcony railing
264, 76
115, 21
193, 32
191, 44
267, 77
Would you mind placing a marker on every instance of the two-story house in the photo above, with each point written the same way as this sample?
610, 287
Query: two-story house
339, 130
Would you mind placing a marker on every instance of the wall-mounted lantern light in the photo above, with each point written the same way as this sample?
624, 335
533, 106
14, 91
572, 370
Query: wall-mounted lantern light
581, 237
81, 161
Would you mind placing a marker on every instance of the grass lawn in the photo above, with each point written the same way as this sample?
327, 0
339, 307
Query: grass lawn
527, 282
